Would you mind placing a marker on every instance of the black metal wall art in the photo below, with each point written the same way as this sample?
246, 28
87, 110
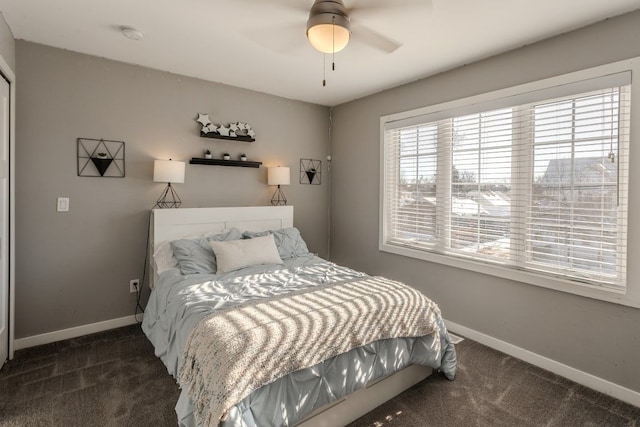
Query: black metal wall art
100, 158
310, 171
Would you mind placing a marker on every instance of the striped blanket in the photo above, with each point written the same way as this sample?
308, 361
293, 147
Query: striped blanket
237, 350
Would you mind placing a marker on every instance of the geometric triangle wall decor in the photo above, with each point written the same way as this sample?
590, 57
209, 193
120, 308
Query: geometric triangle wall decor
100, 158
310, 171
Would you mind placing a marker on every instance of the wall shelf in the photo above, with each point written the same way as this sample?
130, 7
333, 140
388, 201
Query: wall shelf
220, 162
243, 138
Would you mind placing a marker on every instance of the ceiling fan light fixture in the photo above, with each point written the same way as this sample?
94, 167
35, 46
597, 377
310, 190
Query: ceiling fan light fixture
328, 38
328, 26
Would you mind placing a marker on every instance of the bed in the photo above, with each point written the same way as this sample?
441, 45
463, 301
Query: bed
194, 306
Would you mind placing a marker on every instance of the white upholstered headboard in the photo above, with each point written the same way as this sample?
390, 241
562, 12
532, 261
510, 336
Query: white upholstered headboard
171, 224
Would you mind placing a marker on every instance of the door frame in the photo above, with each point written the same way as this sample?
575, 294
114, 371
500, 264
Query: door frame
8, 73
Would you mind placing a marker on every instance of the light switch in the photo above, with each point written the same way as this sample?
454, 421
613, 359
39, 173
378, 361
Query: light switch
63, 204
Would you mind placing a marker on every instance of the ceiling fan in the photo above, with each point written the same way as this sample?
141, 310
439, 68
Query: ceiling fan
283, 32
329, 25
329, 29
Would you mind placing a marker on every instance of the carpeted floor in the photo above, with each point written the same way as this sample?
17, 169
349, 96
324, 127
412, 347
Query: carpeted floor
113, 379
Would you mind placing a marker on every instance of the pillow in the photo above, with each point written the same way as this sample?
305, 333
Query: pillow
163, 258
195, 256
288, 241
238, 254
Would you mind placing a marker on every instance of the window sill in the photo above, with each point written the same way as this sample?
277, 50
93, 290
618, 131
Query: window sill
629, 298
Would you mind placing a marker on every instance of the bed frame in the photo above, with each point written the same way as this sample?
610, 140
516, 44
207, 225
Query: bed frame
171, 224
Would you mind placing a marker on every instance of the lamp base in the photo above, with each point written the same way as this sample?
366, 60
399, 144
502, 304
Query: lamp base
278, 198
169, 198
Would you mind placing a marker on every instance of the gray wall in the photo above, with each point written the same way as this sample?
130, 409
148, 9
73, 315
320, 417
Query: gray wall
74, 268
593, 336
7, 44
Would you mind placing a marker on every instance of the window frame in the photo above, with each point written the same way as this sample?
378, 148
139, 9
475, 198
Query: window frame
631, 295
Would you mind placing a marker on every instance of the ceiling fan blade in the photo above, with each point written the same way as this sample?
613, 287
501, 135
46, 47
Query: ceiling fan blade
284, 39
372, 38
296, 5
386, 4
365, 10
285, 4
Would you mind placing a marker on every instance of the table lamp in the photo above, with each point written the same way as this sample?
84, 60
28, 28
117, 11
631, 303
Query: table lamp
169, 171
278, 176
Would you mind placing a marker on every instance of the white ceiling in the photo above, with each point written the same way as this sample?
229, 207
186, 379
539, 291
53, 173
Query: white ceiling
261, 44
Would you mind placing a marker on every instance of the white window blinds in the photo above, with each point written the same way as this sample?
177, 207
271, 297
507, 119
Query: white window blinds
536, 182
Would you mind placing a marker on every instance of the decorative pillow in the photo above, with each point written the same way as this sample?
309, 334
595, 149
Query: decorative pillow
195, 256
288, 241
238, 254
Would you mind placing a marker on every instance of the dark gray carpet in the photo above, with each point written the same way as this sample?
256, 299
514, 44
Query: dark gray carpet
113, 379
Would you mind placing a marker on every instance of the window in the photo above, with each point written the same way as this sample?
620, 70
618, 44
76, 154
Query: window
533, 183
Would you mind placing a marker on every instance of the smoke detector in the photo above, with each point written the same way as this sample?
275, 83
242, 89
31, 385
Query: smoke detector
132, 33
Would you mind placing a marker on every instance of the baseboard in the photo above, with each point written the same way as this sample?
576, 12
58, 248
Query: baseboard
78, 331
588, 380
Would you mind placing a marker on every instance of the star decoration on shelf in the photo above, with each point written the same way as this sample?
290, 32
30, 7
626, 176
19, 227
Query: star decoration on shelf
203, 119
224, 131
239, 131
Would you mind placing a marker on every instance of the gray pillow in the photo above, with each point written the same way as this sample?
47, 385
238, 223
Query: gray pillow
195, 256
288, 241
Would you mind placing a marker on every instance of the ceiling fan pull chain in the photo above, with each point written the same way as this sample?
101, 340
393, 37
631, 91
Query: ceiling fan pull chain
333, 47
324, 70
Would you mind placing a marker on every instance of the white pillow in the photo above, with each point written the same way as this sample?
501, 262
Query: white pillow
163, 257
236, 254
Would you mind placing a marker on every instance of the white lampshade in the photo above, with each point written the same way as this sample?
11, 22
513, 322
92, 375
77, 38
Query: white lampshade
168, 171
278, 176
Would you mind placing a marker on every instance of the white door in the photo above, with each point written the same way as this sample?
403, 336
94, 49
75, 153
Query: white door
4, 220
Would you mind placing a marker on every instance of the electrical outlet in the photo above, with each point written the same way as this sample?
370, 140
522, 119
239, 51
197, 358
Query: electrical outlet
133, 285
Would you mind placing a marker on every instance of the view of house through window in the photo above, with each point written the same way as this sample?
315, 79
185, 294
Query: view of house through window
537, 187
